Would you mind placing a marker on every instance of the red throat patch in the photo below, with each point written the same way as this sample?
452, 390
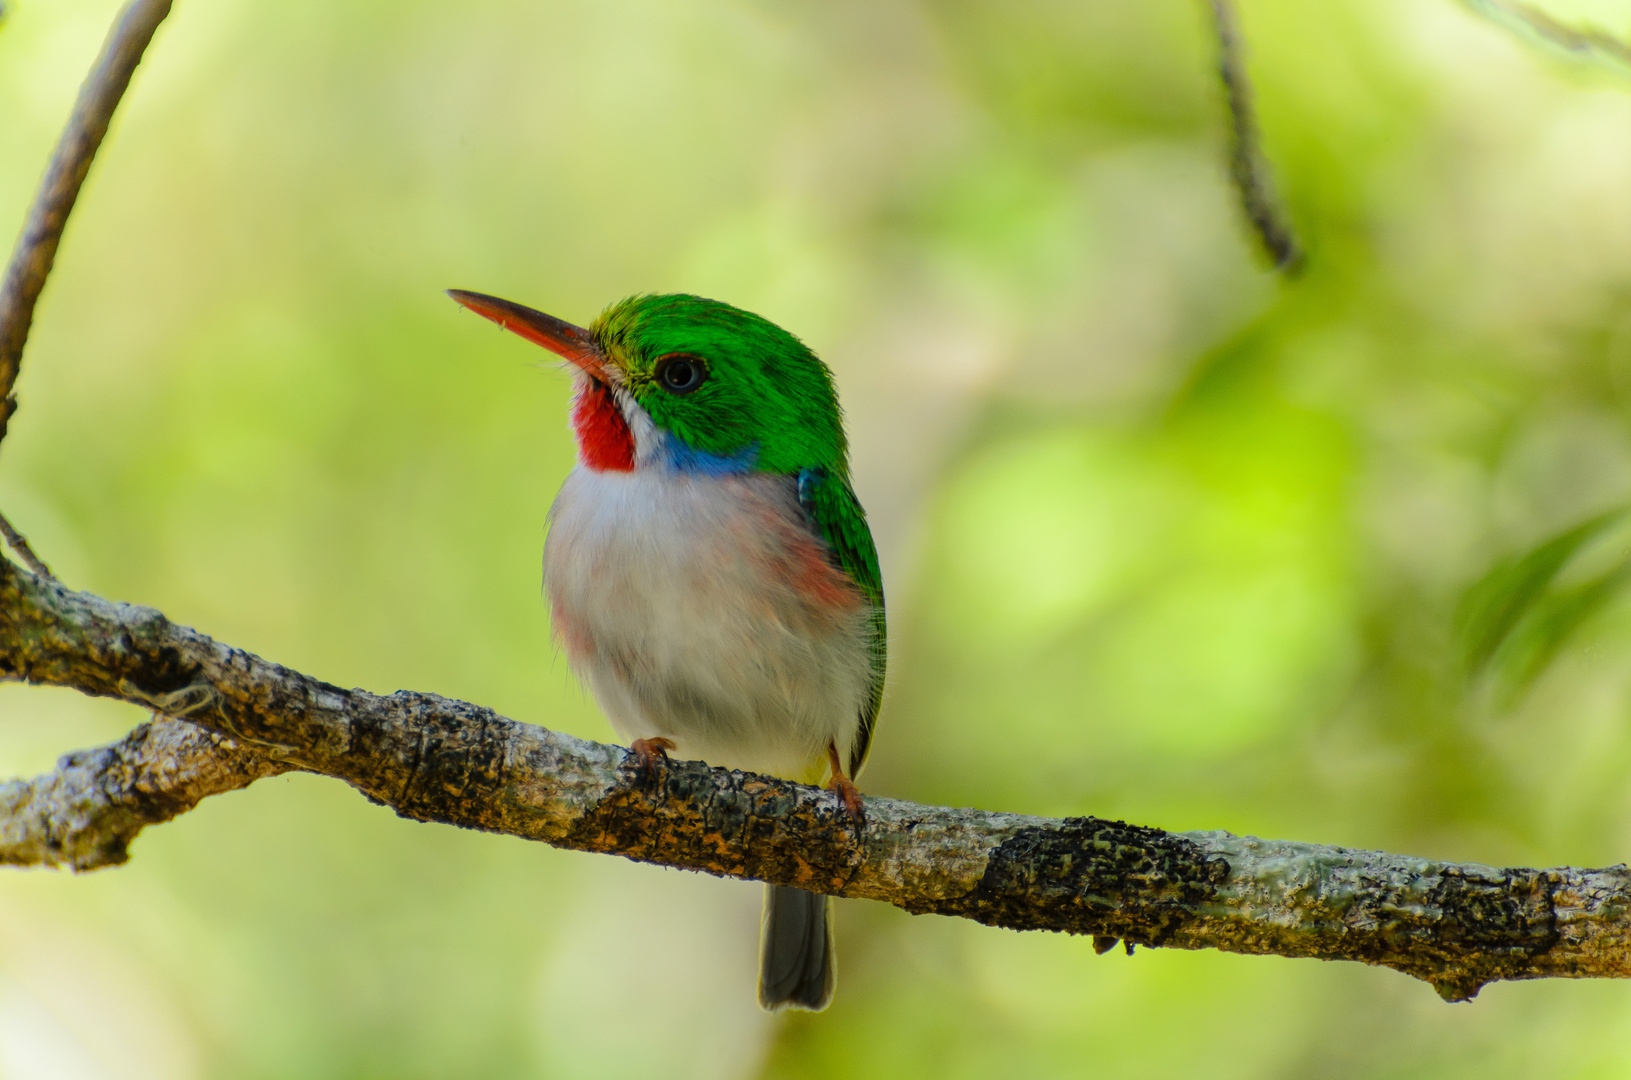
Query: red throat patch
604, 440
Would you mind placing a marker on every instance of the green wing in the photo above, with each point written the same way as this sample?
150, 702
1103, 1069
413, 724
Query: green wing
837, 516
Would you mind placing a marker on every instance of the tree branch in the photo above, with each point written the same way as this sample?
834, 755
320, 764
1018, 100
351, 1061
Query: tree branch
1247, 168
19, 544
1457, 926
37, 246
1537, 27
36, 250
85, 814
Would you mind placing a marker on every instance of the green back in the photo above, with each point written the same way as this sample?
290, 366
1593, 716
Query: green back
837, 514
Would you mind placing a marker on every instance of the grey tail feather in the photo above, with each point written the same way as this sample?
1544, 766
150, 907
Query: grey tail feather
797, 962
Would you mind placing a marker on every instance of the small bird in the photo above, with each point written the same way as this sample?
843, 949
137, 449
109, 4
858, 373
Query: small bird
710, 572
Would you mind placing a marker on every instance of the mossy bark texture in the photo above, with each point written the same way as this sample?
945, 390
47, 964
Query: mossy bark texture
226, 718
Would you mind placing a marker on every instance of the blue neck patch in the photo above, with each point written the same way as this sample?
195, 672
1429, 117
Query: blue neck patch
681, 456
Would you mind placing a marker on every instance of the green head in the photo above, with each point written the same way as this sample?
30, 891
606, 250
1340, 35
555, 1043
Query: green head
719, 388
724, 381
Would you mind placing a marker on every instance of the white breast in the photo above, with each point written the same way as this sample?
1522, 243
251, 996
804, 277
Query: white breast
700, 608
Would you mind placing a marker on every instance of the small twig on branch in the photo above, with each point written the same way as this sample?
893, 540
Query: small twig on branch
18, 543
36, 247
1457, 926
1247, 166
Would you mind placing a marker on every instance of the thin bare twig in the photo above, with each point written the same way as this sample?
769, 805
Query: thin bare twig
1535, 25
36, 248
1247, 166
18, 543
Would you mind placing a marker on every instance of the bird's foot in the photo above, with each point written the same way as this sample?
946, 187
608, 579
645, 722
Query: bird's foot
848, 793
650, 751
851, 797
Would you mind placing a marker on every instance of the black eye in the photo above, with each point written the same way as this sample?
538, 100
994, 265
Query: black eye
681, 373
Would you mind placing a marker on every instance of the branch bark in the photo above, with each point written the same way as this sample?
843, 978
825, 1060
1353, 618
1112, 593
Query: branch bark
1247, 167
1456, 926
37, 246
20, 545
36, 250
85, 813
1537, 27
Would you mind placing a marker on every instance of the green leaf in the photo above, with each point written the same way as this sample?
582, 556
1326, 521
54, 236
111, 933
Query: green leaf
1535, 641
1492, 608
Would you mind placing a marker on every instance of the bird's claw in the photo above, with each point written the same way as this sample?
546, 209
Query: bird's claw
850, 796
647, 752
848, 793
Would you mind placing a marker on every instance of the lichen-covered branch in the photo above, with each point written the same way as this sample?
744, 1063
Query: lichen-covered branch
430, 758
85, 814
1247, 167
37, 245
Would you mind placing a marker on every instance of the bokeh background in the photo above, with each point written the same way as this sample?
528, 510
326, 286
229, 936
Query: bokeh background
1165, 537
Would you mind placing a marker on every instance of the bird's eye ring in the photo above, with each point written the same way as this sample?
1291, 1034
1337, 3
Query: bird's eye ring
680, 373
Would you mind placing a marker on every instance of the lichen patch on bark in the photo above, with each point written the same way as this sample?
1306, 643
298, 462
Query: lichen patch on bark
1091, 876
238, 717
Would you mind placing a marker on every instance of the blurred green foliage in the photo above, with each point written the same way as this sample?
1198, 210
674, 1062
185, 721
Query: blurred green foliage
1517, 617
1165, 538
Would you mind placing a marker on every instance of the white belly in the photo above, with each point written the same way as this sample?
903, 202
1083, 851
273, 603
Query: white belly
701, 609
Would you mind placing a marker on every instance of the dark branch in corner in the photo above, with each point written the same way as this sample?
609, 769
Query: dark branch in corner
36, 248
1457, 926
1247, 166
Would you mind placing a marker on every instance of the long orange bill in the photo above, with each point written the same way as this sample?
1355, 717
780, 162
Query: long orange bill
574, 343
